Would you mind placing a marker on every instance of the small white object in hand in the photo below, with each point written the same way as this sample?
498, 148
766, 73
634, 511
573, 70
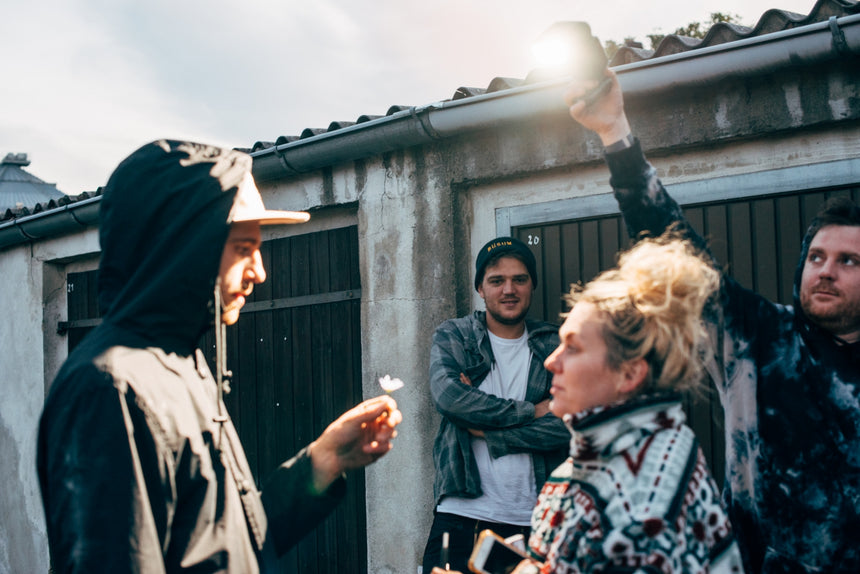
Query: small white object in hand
389, 385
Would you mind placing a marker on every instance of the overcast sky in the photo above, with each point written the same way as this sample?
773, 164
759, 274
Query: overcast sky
85, 82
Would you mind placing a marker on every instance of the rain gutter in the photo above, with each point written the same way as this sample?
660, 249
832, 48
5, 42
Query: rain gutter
804, 46
66, 219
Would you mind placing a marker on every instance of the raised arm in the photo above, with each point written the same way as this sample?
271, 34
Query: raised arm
643, 200
647, 208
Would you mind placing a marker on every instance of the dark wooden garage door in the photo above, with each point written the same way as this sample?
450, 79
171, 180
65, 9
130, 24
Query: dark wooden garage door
758, 241
296, 358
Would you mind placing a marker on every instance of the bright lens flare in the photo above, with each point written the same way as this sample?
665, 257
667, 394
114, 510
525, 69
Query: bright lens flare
569, 49
553, 52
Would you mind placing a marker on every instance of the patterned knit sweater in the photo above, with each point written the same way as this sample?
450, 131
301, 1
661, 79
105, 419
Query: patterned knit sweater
635, 495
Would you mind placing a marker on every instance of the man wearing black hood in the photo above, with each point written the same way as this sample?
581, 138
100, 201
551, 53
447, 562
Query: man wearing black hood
140, 467
788, 376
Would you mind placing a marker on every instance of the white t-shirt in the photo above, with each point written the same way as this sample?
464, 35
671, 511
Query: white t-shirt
507, 482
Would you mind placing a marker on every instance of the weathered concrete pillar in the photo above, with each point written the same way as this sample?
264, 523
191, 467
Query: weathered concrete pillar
407, 277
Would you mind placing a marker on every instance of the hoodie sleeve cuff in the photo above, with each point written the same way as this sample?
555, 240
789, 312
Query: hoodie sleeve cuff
622, 144
628, 166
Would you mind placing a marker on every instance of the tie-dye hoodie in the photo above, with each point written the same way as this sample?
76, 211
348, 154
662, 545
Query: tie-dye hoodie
791, 395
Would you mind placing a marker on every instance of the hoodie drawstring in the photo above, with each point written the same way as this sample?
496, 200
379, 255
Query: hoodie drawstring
222, 375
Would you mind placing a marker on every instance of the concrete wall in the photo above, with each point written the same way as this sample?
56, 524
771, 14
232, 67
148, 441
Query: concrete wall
404, 226
33, 288
22, 540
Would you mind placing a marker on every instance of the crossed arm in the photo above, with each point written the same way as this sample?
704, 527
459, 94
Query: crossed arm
509, 426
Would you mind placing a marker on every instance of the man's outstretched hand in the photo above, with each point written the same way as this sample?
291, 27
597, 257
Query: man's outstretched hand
359, 437
605, 116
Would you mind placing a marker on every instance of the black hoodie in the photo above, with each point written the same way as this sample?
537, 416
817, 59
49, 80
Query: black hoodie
791, 396
137, 472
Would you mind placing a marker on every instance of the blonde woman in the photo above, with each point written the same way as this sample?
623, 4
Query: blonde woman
635, 495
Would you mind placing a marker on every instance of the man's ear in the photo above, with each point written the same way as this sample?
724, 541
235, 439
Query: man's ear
634, 373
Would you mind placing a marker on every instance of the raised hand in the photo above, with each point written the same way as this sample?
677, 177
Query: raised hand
605, 116
357, 438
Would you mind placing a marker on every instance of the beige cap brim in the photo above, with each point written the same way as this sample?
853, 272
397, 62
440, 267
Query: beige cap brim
273, 217
248, 206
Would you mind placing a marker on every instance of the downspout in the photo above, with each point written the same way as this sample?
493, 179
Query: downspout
812, 44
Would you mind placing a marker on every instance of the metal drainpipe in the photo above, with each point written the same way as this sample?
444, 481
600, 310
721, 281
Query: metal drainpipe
803, 46
70, 217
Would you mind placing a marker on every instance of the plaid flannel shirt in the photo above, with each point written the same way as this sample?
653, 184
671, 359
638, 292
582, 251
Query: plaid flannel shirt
462, 346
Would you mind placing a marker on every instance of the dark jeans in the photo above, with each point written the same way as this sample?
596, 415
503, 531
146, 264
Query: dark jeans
462, 534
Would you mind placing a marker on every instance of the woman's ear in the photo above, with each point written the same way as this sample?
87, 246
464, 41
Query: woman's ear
634, 373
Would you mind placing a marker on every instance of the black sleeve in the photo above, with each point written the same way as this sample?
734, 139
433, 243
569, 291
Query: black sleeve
293, 508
